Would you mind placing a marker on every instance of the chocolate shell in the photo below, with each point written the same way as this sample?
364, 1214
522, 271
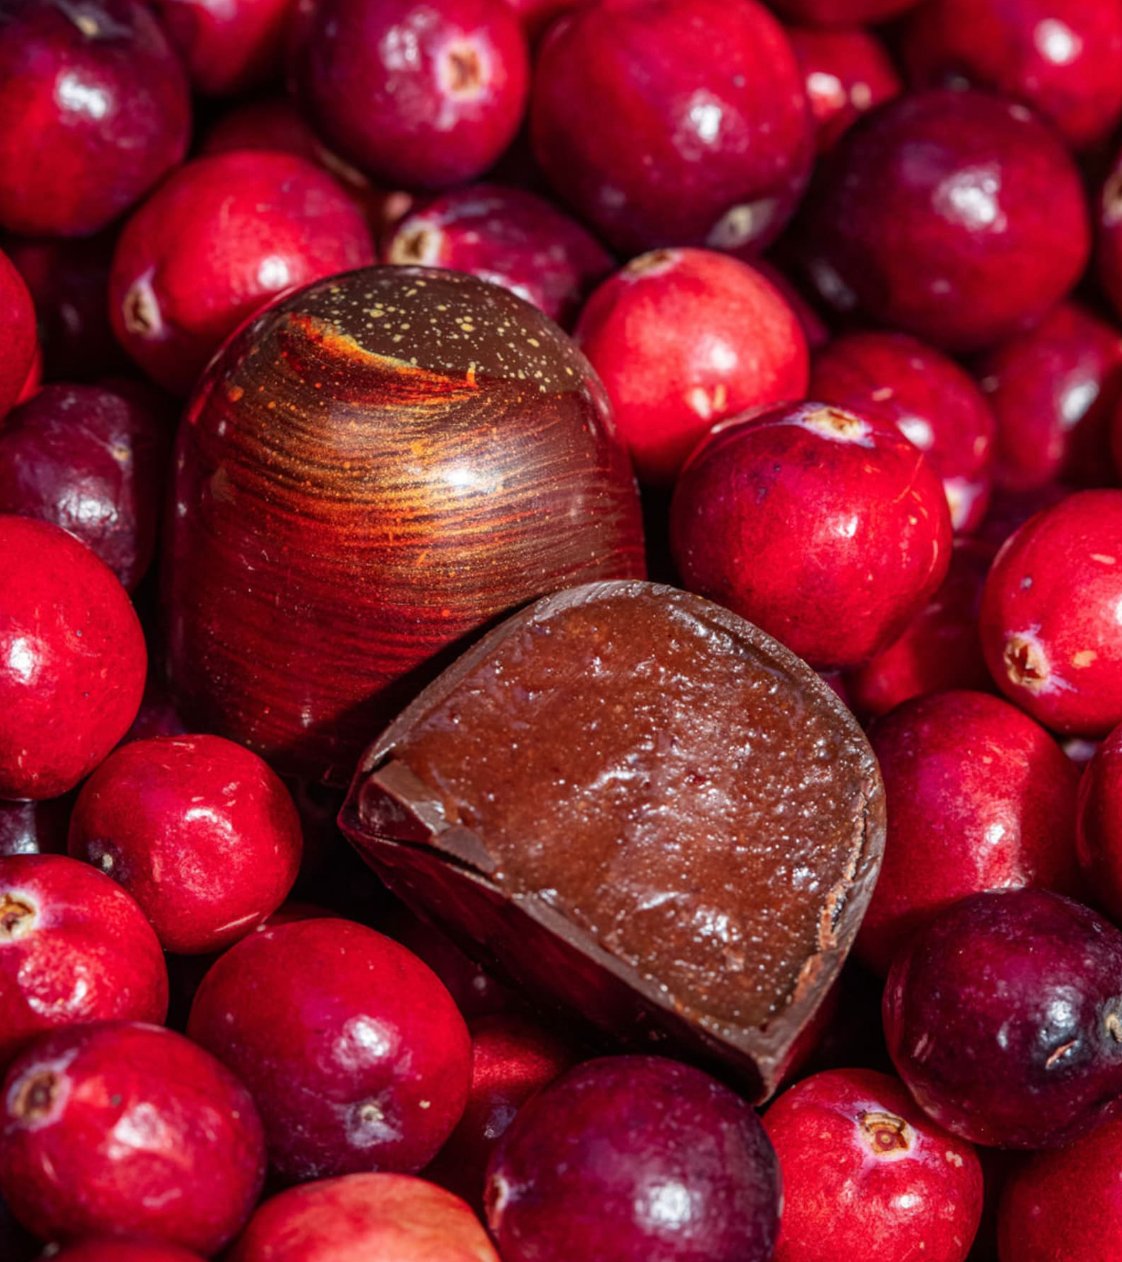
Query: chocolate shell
636, 805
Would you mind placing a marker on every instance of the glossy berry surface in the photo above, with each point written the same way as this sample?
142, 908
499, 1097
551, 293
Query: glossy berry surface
227, 48
847, 73
1100, 824
708, 159
123, 1129
353, 1049
73, 660
17, 327
1002, 1018
809, 497
682, 339
954, 216
94, 107
864, 1169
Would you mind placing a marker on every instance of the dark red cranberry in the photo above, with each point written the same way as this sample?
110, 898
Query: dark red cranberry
716, 159
1061, 57
17, 330
930, 217
415, 96
34, 827
354, 1051
214, 243
157, 715
866, 1172
809, 498
94, 109
72, 660
230, 47
929, 398
1009, 510
508, 237
198, 830
682, 339
1004, 1018
631, 1158
979, 797
840, 12
847, 73
1100, 824
1050, 615
107, 1249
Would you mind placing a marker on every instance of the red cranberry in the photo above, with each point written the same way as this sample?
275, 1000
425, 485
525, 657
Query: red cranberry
354, 1051
931, 217
684, 338
215, 242
109, 1250
707, 159
17, 330
847, 73
1100, 824
865, 1172
1061, 57
94, 109
1050, 615
416, 96
1003, 1018
34, 827
229, 47
979, 797
72, 660
361, 1217
508, 237
840, 12
198, 830
929, 398
809, 498
630, 1158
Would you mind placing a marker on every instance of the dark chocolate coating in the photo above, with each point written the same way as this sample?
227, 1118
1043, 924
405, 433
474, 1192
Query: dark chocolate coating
634, 802
373, 469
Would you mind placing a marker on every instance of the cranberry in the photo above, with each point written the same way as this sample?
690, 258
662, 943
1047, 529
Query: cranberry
630, 1158
229, 47
714, 157
847, 73
94, 109
930, 216
1009, 510
840, 12
34, 827
813, 326
1100, 824
73, 660
979, 797
1050, 615
417, 96
107, 1249
354, 1051
220, 238
360, 1217
684, 338
929, 398
865, 1172
809, 498
1003, 1018
17, 329
1061, 57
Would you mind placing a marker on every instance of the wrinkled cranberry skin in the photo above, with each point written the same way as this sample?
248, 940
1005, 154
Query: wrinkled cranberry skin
1100, 824
840, 12
17, 329
94, 109
929, 398
34, 827
866, 1172
847, 73
650, 169
1049, 620
227, 47
439, 117
1063, 58
682, 339
979, 797
214, 243
354, 1051
199, 831
1002, 1017
954, 216
73, 949
806, 497
72, 660
585, 1167
108, 1250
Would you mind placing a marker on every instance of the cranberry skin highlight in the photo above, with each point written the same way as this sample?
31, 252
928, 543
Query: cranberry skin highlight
72, 660
124, 1129
95, 109
17, 328
227, 48
954, 216
1049, 615
1099, 831
865, 1171
806, 497
714, 157
1002, 1018
682, 339
847, 73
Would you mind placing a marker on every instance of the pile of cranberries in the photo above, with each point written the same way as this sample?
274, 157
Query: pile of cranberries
844, 282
